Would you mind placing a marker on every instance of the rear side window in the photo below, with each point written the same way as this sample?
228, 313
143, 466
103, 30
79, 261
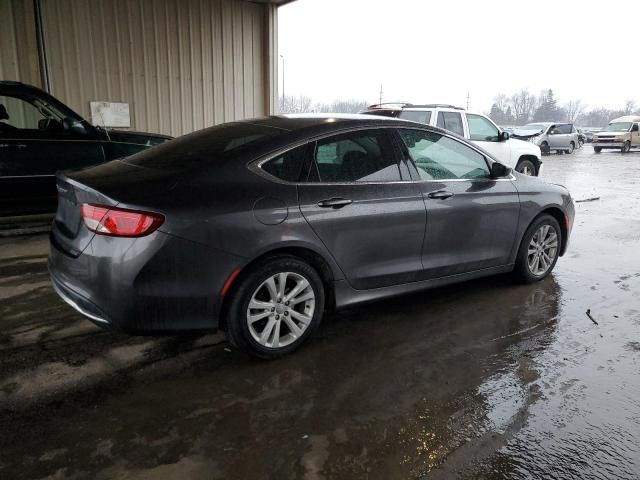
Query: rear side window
206, 146
364, 156
481, 129
288, 166
438, 157
451, 121
415, 116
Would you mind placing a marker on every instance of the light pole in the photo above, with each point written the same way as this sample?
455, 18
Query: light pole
283, 97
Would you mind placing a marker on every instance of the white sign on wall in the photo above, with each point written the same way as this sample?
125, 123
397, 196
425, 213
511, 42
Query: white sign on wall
110, 114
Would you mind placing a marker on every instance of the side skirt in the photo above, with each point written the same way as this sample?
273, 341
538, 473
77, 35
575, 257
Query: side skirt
346, 296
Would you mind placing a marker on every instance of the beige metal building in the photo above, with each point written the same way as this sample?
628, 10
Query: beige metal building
181, 65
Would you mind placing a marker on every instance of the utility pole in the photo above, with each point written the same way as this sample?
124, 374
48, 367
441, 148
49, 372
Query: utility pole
467, 99
283, 97
380, 101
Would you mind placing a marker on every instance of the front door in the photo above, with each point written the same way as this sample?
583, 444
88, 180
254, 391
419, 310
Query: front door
369, 217
471, 218
34, 145
486, 135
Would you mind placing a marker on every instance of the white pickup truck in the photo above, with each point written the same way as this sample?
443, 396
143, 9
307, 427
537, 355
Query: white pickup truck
523, 157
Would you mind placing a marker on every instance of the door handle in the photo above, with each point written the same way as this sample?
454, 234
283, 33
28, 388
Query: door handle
334, 203
440, 195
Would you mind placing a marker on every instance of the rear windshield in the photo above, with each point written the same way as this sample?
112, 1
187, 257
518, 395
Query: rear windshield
208, 145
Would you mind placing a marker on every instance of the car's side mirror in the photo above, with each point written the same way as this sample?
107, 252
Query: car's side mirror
552, 132
499, 170
73, 126
504, 136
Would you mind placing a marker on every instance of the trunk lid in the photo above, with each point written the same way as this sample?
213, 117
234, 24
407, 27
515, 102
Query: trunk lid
113, 183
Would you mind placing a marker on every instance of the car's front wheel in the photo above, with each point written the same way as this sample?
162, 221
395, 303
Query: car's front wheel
539, 250
597, 149
626, 147
275, 308
526, 167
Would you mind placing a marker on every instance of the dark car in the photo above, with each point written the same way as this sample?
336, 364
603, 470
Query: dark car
40, 136
259, 226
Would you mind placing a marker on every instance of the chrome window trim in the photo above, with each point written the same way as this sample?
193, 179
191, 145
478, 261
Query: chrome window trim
256, 165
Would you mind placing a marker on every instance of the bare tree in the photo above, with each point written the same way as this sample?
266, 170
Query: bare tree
342, 106
574, 108
629, 107
295, 104
524, 104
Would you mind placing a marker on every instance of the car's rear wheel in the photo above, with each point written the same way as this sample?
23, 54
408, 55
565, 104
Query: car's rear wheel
539, 250
275, 308
626, 147
597, 149
526, 167
572, 147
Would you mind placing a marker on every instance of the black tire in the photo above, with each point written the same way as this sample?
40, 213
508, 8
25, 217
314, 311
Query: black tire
626, 147
597, 149
521, 271
237, 328
571, 149
526, 165
544, 148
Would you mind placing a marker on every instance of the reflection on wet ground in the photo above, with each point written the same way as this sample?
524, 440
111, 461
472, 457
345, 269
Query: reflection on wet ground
481, 380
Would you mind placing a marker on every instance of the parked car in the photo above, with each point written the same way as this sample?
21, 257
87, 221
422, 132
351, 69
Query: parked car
258, 226
521, 156
621, 134
40, 136
550, 137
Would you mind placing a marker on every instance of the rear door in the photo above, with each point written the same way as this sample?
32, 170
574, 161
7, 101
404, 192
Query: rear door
471, 218
34, 145
451, 120
369, 215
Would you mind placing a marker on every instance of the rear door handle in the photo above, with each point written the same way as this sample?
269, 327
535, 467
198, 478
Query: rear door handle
334, 203
440, 195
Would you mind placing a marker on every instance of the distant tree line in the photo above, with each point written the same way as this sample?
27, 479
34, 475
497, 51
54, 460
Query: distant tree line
304, 104
524, 107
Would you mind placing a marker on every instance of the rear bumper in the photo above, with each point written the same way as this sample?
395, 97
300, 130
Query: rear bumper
83, 305
153, 284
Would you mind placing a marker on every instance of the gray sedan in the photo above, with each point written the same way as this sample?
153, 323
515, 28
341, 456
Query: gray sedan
258, 227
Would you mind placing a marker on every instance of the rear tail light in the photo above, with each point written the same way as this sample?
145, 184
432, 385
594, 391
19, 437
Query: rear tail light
119, 222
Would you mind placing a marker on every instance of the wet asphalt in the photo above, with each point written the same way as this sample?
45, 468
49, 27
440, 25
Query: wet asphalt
480, 380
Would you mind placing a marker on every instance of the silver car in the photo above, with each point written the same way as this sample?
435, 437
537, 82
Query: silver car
558, 137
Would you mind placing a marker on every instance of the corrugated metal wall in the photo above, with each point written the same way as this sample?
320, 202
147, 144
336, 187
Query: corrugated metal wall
18, 50
181, 64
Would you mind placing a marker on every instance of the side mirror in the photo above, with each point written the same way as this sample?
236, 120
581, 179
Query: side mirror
504, 136
552, 132
71, 125
499, 170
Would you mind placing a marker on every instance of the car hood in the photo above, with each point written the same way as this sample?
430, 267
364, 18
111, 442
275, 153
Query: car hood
141, 138
526, 132
616, 133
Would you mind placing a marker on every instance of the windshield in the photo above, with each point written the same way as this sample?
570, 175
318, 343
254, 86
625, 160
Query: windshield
210, 144
618, 127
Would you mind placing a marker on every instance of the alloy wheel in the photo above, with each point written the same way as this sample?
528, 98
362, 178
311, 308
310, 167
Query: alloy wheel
542, 250
281, 309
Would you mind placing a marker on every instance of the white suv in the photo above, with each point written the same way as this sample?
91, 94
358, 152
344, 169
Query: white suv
523, 157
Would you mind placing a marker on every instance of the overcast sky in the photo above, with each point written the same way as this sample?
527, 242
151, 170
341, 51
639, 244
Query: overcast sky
436, 51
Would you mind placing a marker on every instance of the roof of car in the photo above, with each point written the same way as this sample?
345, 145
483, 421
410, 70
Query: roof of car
322, 121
